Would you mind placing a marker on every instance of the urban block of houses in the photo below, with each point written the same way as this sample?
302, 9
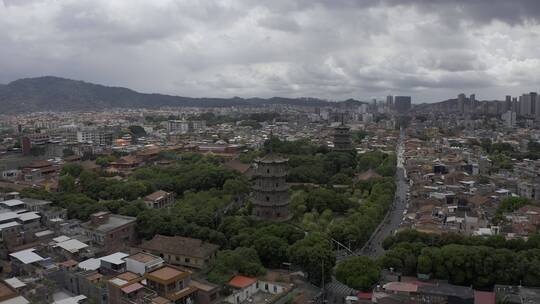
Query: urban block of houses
163, 284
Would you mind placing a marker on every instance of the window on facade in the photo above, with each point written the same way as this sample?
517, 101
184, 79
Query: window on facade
188, 260
267, 198
265, 286
275, 288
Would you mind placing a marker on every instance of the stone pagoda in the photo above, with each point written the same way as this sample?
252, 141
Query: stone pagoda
342, 138
270, 190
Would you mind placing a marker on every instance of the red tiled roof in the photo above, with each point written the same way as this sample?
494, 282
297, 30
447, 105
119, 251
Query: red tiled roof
364, 295
529, 208
156, 195
242, 281
128, 159
131, 288
484, 297
401, 287
237, 166
39, 164
178, 245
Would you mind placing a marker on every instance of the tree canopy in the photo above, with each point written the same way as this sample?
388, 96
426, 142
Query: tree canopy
358, 272
314, 254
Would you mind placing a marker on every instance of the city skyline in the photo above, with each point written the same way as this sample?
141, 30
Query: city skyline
331, 50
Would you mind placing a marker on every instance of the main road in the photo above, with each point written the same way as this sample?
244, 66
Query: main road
394, 217
336, 291
397, 211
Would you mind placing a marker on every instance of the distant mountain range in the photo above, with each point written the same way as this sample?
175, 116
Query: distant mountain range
50, 93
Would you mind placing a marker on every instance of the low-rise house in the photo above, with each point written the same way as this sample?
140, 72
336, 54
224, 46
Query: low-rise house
528, 190
206, 293
10, 234
9, 196
124, 287
30, 262
246, 288
113, 263
80, 299
111, 232
16, 284
172, 283
163, 285
9, 295
29, 220
243, 289
110, 264
50, 214
68, 247
13, 204
183, 251
532, 213
89, 283
159, 199
141, 262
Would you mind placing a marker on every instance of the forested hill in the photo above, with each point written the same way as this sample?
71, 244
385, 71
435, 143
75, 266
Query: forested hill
59, 94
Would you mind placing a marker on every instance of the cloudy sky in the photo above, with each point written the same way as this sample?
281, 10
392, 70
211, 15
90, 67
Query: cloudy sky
334, 49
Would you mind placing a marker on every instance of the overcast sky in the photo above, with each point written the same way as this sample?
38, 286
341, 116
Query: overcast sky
334, 49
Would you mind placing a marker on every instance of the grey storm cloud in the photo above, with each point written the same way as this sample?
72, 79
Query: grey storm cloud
334, 49
510, 11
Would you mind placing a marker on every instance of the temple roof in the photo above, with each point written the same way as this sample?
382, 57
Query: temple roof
272, 158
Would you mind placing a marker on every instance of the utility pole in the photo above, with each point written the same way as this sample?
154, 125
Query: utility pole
323, 289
